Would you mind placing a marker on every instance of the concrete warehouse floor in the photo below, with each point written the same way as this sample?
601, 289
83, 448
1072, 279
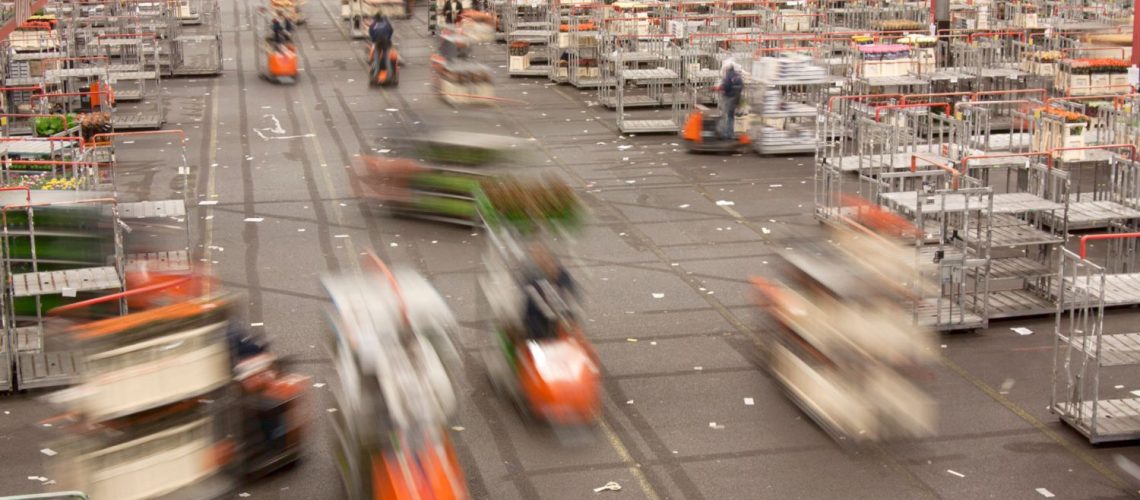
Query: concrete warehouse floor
280, 153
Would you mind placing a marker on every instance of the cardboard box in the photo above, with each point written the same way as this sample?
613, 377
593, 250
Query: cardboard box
1100, 84
519, 63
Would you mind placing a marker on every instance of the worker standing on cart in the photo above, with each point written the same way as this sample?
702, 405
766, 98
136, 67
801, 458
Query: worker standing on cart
380, 33
280, 32
731, 86
547, 270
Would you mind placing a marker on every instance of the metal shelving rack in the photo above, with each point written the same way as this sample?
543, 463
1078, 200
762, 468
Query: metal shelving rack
786, 107
1087, 358
527, 21
37, 281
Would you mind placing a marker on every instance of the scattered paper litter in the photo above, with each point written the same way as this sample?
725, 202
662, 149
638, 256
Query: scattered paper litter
775, 185
698, 368
624, 147
256, 324
1135, 393
765, 230
49, 452
331, 410
683, 206
724, 203
651, 343
254, 219
1022, 331
959, 474
1045, 493
391, 110
629, 402
458, 428
749, 401
658, 295
610, 486
1118, 387
714, 425
243, 495
207, 202
631, 339
1006, 386
318, 385
393, 244
340, 236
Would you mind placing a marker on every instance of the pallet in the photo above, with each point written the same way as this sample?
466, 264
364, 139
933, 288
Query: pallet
1095, 214
1117, 419
1018, 304
163, 262
49, 369
152, 209
951, 318
79, 280
1115, 350
649, 126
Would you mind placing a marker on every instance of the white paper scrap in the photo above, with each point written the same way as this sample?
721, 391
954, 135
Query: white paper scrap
393, 244
340, 236
959, 474
724, 203
1118, 387
391, 110
49, 452
749, 401
1136, 393
683, 206
204, 203
318, 385
458, 428
1045, 493
1022, 331
256, 324
254, 219
631, 339
658, 295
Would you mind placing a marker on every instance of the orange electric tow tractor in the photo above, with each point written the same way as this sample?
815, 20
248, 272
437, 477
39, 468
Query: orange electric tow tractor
278, 60
702, 133
541, 361
392, 348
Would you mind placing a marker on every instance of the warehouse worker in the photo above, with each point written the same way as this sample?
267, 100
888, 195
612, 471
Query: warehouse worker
380, 33
731, 86
548, 271
452, 9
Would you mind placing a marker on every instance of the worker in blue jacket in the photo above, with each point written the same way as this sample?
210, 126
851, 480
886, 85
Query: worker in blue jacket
731, 87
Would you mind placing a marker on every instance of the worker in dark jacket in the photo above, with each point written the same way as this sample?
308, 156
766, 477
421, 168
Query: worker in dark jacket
381, 33
452, 9
731, 87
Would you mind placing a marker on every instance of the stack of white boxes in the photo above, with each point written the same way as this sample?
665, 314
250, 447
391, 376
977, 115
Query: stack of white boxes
788, 70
